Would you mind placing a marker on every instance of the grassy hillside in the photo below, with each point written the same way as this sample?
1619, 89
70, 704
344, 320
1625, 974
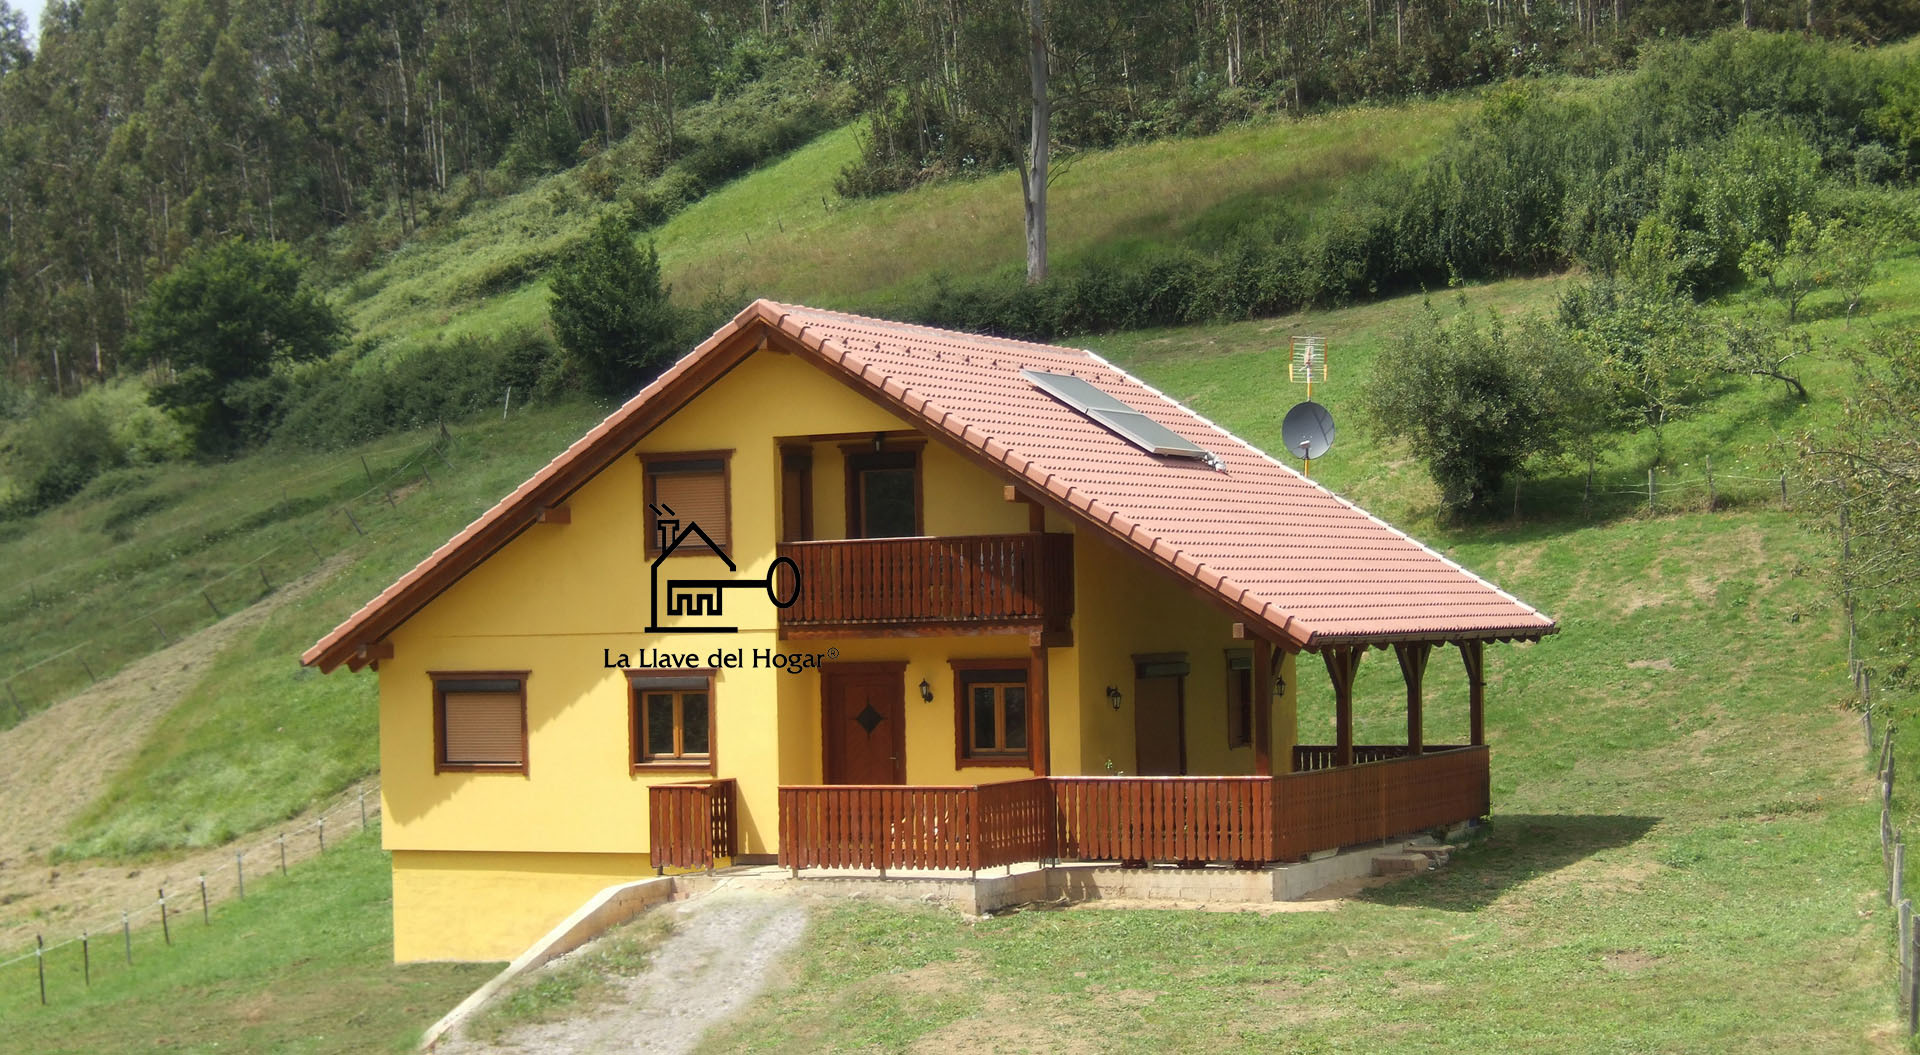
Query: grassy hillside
303, 965
784, 233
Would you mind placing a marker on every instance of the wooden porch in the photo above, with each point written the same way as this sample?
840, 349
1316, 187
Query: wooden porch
1245, 821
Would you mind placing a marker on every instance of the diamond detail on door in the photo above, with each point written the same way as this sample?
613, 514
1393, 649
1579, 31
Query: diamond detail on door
869, 719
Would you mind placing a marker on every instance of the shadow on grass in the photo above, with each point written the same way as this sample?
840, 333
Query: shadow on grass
1517, 848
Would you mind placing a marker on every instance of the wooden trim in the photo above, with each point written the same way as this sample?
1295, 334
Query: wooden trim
1039, 711
1473, 655
1413, 668
440, 763
560, 514
1262, 707
857, 460
636, 760
966, 671
1343, 662
651, 458
796, 459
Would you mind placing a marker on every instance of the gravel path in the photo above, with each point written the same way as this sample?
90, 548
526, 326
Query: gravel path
716, 959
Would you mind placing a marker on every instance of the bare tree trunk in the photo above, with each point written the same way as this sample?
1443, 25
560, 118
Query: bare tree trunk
1033, 180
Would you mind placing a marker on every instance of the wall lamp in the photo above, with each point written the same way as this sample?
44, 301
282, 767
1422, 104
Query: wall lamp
1113, 697
879, 442
926, 691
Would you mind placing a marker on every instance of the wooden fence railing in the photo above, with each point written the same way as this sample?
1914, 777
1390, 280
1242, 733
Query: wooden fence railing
976, 579
692, 824
1247, 820
1321, 756
1164, 818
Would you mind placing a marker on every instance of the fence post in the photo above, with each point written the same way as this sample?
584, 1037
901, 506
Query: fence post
126, 936
363, 809
322, 825
356, 524
1899, 869
263, 577
18, 711
1906, 951
369, 470
166, 929
40, 962
206, 913
1886, 840
508, 403
239, 876
88, 667
283, 853
1650, 506
86, 960
1712, 499
209, 599
1913, 982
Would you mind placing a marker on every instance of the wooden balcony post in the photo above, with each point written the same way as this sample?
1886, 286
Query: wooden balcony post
1473, 654
1039, 718
1262, 708
1343, 662
1413, 667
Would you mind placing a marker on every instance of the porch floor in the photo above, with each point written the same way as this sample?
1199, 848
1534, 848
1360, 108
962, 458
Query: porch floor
1000, 888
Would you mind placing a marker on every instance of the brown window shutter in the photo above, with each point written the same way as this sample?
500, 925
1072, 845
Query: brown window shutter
697, 497
483, 728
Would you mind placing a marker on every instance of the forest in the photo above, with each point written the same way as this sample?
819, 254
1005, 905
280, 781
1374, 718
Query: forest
134, 131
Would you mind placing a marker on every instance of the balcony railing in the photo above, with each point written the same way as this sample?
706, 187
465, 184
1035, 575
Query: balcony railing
1326, 756
1243, 820
967, 580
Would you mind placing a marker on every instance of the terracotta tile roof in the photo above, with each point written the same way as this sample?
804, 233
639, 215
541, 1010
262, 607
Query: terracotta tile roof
1270, 544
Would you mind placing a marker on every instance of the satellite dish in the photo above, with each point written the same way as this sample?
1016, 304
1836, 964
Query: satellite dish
1308, 430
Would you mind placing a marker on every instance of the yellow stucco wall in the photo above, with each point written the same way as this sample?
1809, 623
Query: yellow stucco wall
486, 862
1122, 609
491, 906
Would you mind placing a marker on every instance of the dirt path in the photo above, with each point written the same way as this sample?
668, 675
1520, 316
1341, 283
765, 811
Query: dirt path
43, 788
718, 957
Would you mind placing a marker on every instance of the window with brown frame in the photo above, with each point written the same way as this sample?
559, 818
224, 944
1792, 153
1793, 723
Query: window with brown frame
480, 722
883, 493
1239, 697
671, 719
687, 489
990, 703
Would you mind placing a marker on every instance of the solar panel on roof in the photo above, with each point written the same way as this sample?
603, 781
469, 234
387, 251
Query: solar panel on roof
1114, 413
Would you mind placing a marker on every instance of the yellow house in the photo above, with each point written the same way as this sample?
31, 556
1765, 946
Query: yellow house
842, 592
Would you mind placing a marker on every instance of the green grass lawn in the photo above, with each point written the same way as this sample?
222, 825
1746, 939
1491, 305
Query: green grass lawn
304, 964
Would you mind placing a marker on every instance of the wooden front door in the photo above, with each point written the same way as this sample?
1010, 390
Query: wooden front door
1159, 726
863, 723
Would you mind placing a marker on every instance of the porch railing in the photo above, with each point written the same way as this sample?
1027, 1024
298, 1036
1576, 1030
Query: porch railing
1239, 819
957, 580
1322, 756
692, 824
865, 826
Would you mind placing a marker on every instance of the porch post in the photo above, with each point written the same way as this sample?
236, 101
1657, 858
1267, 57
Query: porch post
1343, 661
1413, 667
1473, 654
1262, 708
1038, 717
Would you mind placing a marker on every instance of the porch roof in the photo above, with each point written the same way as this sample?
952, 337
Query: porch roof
1301, 564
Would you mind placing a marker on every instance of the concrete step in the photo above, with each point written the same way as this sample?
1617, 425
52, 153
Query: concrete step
1407, 863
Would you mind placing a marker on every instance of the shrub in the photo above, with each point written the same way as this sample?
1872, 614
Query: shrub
610, 313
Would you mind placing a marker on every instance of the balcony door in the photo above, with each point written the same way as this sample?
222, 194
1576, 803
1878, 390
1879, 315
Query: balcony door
883, 492
863, 723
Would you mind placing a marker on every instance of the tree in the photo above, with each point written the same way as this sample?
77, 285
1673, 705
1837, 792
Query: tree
1033, 176
1646, 340
1868, 465
15, 54
1479, 402
1793, 271
610, 312
227, 316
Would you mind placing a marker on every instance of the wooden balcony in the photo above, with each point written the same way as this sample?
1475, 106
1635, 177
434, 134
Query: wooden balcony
1239, 820
952, 584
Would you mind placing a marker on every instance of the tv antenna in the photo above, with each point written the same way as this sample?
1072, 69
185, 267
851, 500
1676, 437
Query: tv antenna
1308, 429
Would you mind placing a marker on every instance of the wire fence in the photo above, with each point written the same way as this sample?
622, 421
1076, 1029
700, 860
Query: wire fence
45, 972
195, 602
1675, 487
